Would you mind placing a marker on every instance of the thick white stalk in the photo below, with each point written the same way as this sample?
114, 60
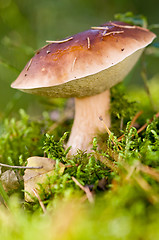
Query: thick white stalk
86, 122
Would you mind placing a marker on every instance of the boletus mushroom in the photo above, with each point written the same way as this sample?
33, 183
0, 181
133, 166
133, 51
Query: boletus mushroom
85, 66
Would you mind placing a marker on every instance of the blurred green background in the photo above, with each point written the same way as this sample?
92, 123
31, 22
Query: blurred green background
25, 25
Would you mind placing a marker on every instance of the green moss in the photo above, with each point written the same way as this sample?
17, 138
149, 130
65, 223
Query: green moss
20, 139
123, 109
126, 199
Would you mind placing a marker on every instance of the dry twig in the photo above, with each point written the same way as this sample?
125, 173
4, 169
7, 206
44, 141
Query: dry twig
145, 125
113, 32
153, 198
73, 64
85, 189
60, 41
19, 167
132, 123
39, 199
108, 131
88, 43
29, 64
150, 171
144, 185
100, 28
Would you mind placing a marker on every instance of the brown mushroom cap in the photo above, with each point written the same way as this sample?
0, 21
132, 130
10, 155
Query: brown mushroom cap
85, 64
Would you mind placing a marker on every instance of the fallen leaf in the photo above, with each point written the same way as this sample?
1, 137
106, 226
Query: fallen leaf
9, 180
34, 176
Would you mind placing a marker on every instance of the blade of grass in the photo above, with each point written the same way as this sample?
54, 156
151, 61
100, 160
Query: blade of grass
7, 65
145, 81
4, 195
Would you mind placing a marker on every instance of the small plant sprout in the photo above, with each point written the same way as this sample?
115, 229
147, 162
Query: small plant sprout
85, 66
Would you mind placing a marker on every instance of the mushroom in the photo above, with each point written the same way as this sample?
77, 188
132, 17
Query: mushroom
85, 66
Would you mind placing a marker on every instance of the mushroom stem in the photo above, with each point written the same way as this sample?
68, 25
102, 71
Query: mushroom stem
86, 122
